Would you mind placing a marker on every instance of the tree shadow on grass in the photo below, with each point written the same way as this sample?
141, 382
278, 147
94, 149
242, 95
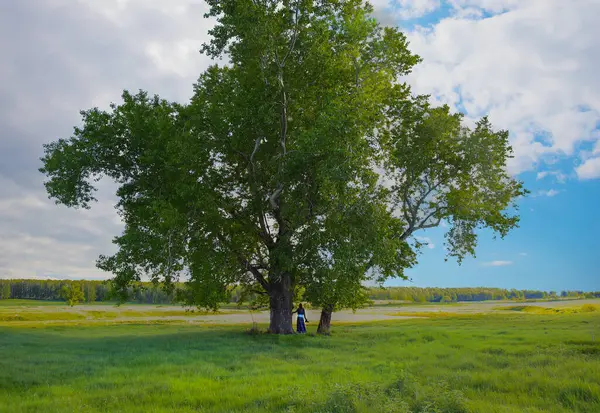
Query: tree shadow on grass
61, 355
173, 366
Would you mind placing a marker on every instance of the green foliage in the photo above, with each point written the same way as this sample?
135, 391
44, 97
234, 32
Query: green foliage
305, 162
434, 294
5, 291
94, 291
72, 294
443, 170
148, 293
90, 292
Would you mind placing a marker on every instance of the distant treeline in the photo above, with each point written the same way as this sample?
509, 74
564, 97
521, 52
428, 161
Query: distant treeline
148, 293
435, 295
93, 291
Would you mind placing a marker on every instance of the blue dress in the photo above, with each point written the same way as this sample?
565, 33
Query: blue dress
300, 325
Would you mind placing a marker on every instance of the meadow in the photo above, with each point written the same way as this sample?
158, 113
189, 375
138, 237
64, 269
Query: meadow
454, 358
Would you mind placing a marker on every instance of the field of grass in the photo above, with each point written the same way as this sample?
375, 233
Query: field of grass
29, 303
507, 361
533, 309
19, 311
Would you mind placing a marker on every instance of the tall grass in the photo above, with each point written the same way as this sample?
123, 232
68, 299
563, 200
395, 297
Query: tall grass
586, 308
505, 362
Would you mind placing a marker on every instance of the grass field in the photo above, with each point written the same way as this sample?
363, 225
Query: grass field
506, 360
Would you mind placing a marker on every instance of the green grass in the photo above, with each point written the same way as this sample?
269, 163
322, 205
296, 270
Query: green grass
430, 314
15, 315
509, 362
41, 316
532, 309
32, 303
397, 303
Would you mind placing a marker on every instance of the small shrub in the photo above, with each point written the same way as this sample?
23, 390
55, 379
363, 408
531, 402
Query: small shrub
589, 308
532, 309
254, 330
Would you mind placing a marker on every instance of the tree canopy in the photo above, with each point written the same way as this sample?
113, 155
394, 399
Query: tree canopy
303, 161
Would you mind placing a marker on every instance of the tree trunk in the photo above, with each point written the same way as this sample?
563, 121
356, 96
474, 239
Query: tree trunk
281, 306
325, 321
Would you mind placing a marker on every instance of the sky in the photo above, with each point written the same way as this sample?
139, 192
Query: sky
531, 65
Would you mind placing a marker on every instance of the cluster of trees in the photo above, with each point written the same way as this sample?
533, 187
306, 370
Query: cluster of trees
416, 294
81, 291
149, 293
304, 163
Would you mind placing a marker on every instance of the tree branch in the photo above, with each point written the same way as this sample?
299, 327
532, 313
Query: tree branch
247, 266
265, 233
275, 196
256, 145
410, 213
294, 35
257, 274
432, 225
423, 224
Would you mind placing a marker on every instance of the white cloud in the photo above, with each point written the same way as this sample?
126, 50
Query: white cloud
551, 192
39, 239
532, 68
89, 52
426, 241
548, 193
559, 176
523, 254
416, 8
498, 263
491, 6
389, 11
589, 169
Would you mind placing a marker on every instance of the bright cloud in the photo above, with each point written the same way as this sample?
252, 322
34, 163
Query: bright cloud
388, 12
560, 177
590, 169
531, 64
498, 263
532, 67
544, 192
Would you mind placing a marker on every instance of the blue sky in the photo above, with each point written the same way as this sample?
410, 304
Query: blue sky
555, 248
557, 245
530, 64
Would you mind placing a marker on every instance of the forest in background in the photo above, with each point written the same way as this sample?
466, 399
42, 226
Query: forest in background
149, 293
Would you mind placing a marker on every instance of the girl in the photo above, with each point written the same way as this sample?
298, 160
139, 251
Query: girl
300, 326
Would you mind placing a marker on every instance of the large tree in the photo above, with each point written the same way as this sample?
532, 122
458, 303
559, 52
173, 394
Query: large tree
271, 176
435, 168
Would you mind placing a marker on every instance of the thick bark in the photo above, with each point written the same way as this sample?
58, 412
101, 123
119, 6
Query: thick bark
280, 294
325, 321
